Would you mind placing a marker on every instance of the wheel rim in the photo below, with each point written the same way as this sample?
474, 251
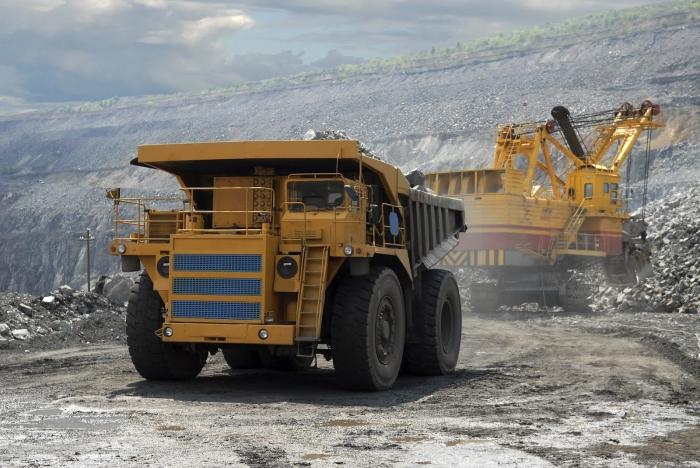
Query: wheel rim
446, 326
385, 331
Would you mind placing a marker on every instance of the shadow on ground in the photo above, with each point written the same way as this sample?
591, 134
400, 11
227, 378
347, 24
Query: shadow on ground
315, 386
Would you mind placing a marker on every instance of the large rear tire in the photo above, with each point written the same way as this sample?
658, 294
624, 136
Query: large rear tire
152, 358
368, 330
285, 362
437, 326
241, 356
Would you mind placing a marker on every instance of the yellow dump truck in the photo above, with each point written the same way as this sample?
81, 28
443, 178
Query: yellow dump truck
281, 250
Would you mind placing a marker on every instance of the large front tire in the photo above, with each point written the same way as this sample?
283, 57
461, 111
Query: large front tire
437, 326
368, 330
152, 358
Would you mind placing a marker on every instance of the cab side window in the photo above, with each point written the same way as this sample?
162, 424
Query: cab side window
588, 191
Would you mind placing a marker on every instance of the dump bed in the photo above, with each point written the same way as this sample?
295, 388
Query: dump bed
434, 223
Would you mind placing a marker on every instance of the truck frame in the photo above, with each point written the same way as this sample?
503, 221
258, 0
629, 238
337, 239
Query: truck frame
281, 250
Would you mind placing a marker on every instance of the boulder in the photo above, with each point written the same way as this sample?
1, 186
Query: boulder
28, 311
4, 329
49, 302
100, 285
60, 326
20, 334
118, 289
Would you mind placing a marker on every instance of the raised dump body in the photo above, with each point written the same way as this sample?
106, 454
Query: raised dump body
279, 250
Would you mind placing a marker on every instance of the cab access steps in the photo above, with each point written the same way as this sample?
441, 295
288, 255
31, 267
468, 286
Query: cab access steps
310, 303
568, 235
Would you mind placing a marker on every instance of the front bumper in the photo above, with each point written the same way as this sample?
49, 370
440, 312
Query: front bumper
227, 333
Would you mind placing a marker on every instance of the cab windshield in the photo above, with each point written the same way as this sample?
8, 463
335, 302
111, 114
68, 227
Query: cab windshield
318, 195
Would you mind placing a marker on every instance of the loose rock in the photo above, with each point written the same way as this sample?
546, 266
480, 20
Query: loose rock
674, 284
67, 318
21, 334
118, 289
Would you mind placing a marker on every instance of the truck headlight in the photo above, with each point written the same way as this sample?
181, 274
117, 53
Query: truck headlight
163, 266
263, 334
168, 332
287, 267
347, 250
121, 248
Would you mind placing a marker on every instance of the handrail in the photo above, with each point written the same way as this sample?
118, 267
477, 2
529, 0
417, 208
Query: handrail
303, 210
182, 218
139, 204
316, 175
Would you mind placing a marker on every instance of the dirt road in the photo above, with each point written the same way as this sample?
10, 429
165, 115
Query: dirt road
526, 393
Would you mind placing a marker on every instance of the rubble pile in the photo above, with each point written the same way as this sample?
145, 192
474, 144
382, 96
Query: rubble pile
531, 307
674, 285
338, 135
65, 316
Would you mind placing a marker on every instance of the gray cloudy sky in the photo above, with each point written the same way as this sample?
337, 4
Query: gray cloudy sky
59, 50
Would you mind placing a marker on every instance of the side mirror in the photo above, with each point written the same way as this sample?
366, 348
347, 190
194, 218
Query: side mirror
113, 193
375, 214
352, 194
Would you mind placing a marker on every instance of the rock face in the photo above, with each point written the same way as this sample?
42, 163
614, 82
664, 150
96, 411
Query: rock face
674, 285
55, 163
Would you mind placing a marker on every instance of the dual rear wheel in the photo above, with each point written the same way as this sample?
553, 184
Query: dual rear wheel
369, 329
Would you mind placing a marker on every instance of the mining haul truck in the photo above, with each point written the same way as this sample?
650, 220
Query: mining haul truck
281, 250
551, 205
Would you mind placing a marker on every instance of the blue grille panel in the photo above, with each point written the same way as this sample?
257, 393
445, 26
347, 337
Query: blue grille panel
217, 286
215, 262
216, 310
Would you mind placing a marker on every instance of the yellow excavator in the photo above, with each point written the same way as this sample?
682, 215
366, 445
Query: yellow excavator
553, 203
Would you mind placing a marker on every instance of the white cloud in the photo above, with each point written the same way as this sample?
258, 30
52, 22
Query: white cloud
213, 27
93, 49
203, 30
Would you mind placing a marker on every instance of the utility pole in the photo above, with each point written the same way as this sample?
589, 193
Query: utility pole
87, 238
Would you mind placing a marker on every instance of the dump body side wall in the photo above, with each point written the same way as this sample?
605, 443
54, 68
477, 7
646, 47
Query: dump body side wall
434, 223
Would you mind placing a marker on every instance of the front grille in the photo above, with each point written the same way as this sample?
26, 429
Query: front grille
216, 310
239, 263
217, 286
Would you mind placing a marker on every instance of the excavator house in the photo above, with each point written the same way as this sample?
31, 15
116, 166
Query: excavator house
552, 203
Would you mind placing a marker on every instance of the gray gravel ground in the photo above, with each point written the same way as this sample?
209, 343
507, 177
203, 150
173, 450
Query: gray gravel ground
529, 391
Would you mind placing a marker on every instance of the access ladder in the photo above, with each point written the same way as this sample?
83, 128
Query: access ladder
568, 235
312, 292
